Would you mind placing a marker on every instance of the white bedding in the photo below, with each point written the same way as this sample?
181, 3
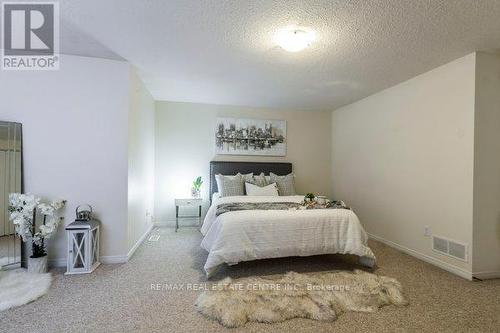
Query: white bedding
257, 234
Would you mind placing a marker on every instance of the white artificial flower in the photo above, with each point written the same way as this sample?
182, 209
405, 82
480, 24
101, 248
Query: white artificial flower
14, 200
15, 215
58, 204
23, 230
37, 239
46, 209
28, 202
46, 230
19, 219
50, 227
22, 208
26, 198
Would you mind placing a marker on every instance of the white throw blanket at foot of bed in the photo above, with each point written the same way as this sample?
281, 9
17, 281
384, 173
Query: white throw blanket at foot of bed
247, 235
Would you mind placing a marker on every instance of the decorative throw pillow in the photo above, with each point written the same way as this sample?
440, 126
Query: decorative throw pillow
259, 180
247, 177
256, 190
286, 184
229, 186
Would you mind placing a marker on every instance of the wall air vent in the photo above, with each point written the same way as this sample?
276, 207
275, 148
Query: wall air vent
449, 247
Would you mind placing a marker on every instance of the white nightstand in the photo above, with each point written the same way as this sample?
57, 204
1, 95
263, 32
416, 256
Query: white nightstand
193, 202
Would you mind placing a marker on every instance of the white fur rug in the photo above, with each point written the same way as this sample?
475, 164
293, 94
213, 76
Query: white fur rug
319, 296
18, 287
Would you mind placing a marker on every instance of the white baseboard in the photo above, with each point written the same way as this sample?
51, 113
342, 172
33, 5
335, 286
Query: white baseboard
61, 262
487, 275
57, 262
183, 222
113, 259
164, 224
431, 260
139, 242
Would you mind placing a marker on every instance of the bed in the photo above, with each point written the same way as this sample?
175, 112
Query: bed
245, 235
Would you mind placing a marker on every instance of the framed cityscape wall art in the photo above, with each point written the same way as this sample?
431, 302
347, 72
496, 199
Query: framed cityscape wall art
234, 136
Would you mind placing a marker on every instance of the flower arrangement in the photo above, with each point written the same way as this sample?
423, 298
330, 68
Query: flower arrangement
24, 209
309, 197
195, 190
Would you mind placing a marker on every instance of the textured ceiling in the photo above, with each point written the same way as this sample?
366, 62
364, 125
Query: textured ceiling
222, 51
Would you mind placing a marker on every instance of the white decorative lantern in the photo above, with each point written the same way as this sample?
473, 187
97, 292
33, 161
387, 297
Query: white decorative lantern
83, 246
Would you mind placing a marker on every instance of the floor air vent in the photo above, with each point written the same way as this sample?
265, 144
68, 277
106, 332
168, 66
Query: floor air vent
154, 238
449, 248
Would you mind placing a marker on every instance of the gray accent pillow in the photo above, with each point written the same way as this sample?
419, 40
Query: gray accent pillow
229, 186
286, 184
246, 177
259, 180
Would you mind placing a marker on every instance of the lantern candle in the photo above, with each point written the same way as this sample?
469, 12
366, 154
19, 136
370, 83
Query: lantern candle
83, 243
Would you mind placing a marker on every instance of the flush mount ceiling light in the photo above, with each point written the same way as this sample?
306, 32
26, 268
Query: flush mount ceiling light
295, 39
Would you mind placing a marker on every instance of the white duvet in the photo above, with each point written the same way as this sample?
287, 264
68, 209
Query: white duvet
258, 234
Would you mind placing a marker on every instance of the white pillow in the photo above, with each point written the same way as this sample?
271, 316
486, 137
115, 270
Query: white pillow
215, 197
255, 190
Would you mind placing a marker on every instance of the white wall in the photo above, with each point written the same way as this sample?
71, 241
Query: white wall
185, 146
486, 251
141, 156
75, 134
403, 158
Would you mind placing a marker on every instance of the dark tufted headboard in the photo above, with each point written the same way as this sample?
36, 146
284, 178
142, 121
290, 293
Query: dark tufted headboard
232, 168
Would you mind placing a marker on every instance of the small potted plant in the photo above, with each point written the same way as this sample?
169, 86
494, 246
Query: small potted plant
195, 190
24, 210
309, 197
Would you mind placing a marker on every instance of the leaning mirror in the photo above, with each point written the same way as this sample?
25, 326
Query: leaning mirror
10, 182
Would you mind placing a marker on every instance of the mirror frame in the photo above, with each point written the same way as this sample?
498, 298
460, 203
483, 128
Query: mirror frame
23, 257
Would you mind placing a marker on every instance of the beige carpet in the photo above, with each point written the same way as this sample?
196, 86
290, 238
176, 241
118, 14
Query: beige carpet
119, 298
